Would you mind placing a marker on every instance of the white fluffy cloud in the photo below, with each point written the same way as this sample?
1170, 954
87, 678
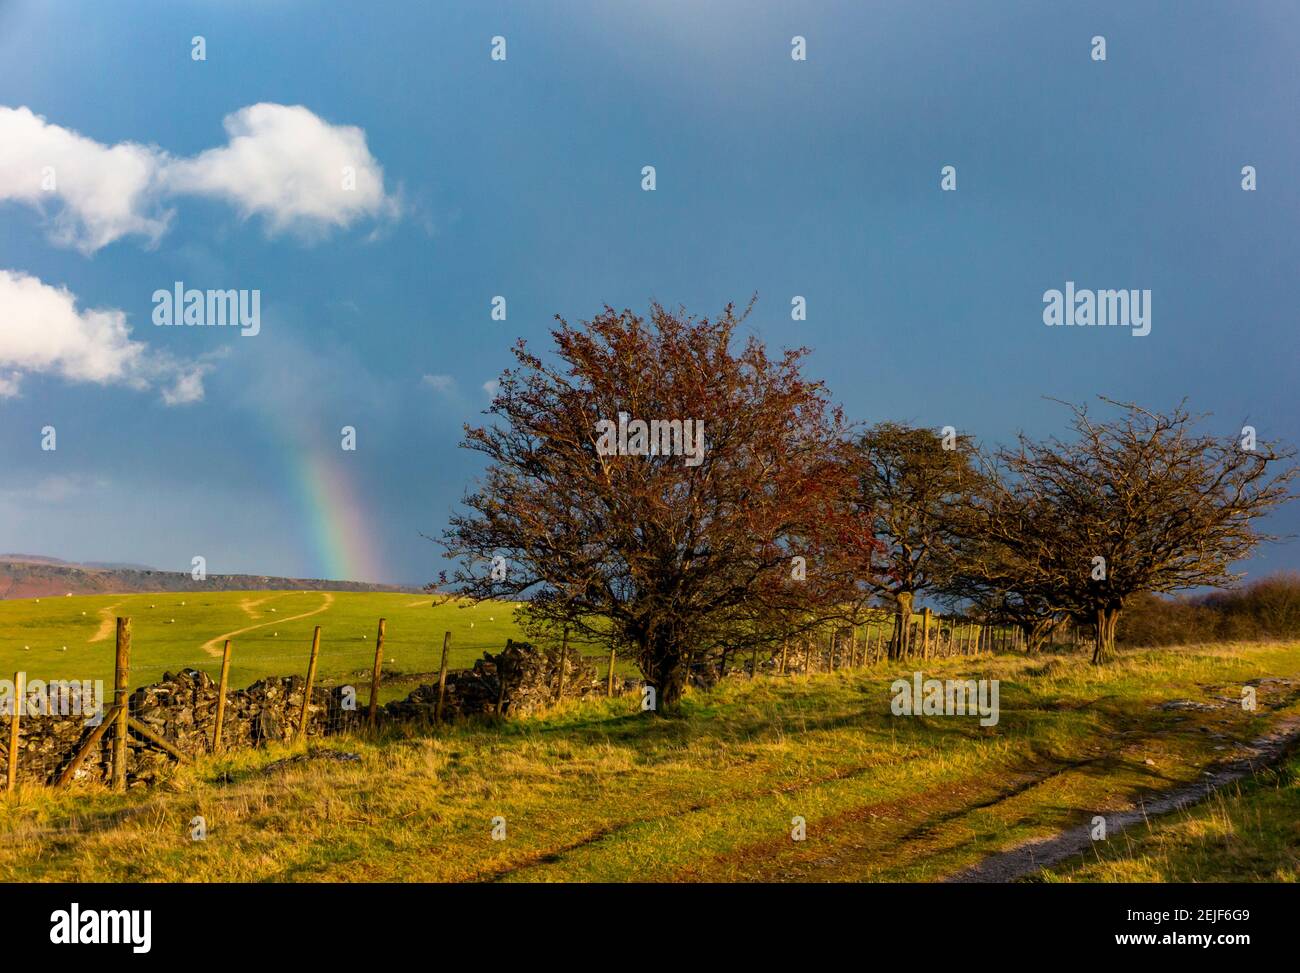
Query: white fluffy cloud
286, 164
42, 331
97, 193
282, 163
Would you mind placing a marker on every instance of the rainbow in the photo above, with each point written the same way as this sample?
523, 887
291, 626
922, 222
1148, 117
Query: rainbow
344, 547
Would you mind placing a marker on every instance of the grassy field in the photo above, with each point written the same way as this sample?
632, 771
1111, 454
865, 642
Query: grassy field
1247, 832
598, 791
72, 637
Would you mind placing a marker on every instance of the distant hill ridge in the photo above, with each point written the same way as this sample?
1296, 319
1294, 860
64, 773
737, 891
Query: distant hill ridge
36, 576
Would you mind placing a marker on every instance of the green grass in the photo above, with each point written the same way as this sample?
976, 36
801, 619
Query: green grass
172, 631
72, 637
1246, 832
599, 791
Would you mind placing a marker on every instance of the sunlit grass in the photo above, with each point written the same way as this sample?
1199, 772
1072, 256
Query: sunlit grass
1247, 832
599, 791
72, 638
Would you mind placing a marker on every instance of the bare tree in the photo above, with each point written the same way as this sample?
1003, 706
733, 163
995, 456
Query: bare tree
1140, 503
910, 485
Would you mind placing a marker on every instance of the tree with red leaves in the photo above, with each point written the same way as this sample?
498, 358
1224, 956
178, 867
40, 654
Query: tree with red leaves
654, 487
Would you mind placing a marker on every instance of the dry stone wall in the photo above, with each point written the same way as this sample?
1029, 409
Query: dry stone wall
182, 710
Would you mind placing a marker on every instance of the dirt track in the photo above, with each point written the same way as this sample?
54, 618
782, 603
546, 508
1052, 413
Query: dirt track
107, 623
213, 646
1027, 859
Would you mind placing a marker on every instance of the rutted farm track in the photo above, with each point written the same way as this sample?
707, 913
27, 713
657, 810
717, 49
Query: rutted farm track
920, 835
1027, 859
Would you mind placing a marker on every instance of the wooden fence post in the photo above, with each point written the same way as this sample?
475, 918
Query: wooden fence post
610, 690
564, 663
311, 679
217, 742
785, 648
925, 632
155, 739
373, 716
14, 717
442, 676
70, 771
121, 674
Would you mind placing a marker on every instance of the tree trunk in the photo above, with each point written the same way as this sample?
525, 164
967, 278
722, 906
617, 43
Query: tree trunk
900, 645
662, 660
1037, 633
1104, 643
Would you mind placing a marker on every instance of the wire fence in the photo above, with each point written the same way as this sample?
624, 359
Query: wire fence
131, 729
